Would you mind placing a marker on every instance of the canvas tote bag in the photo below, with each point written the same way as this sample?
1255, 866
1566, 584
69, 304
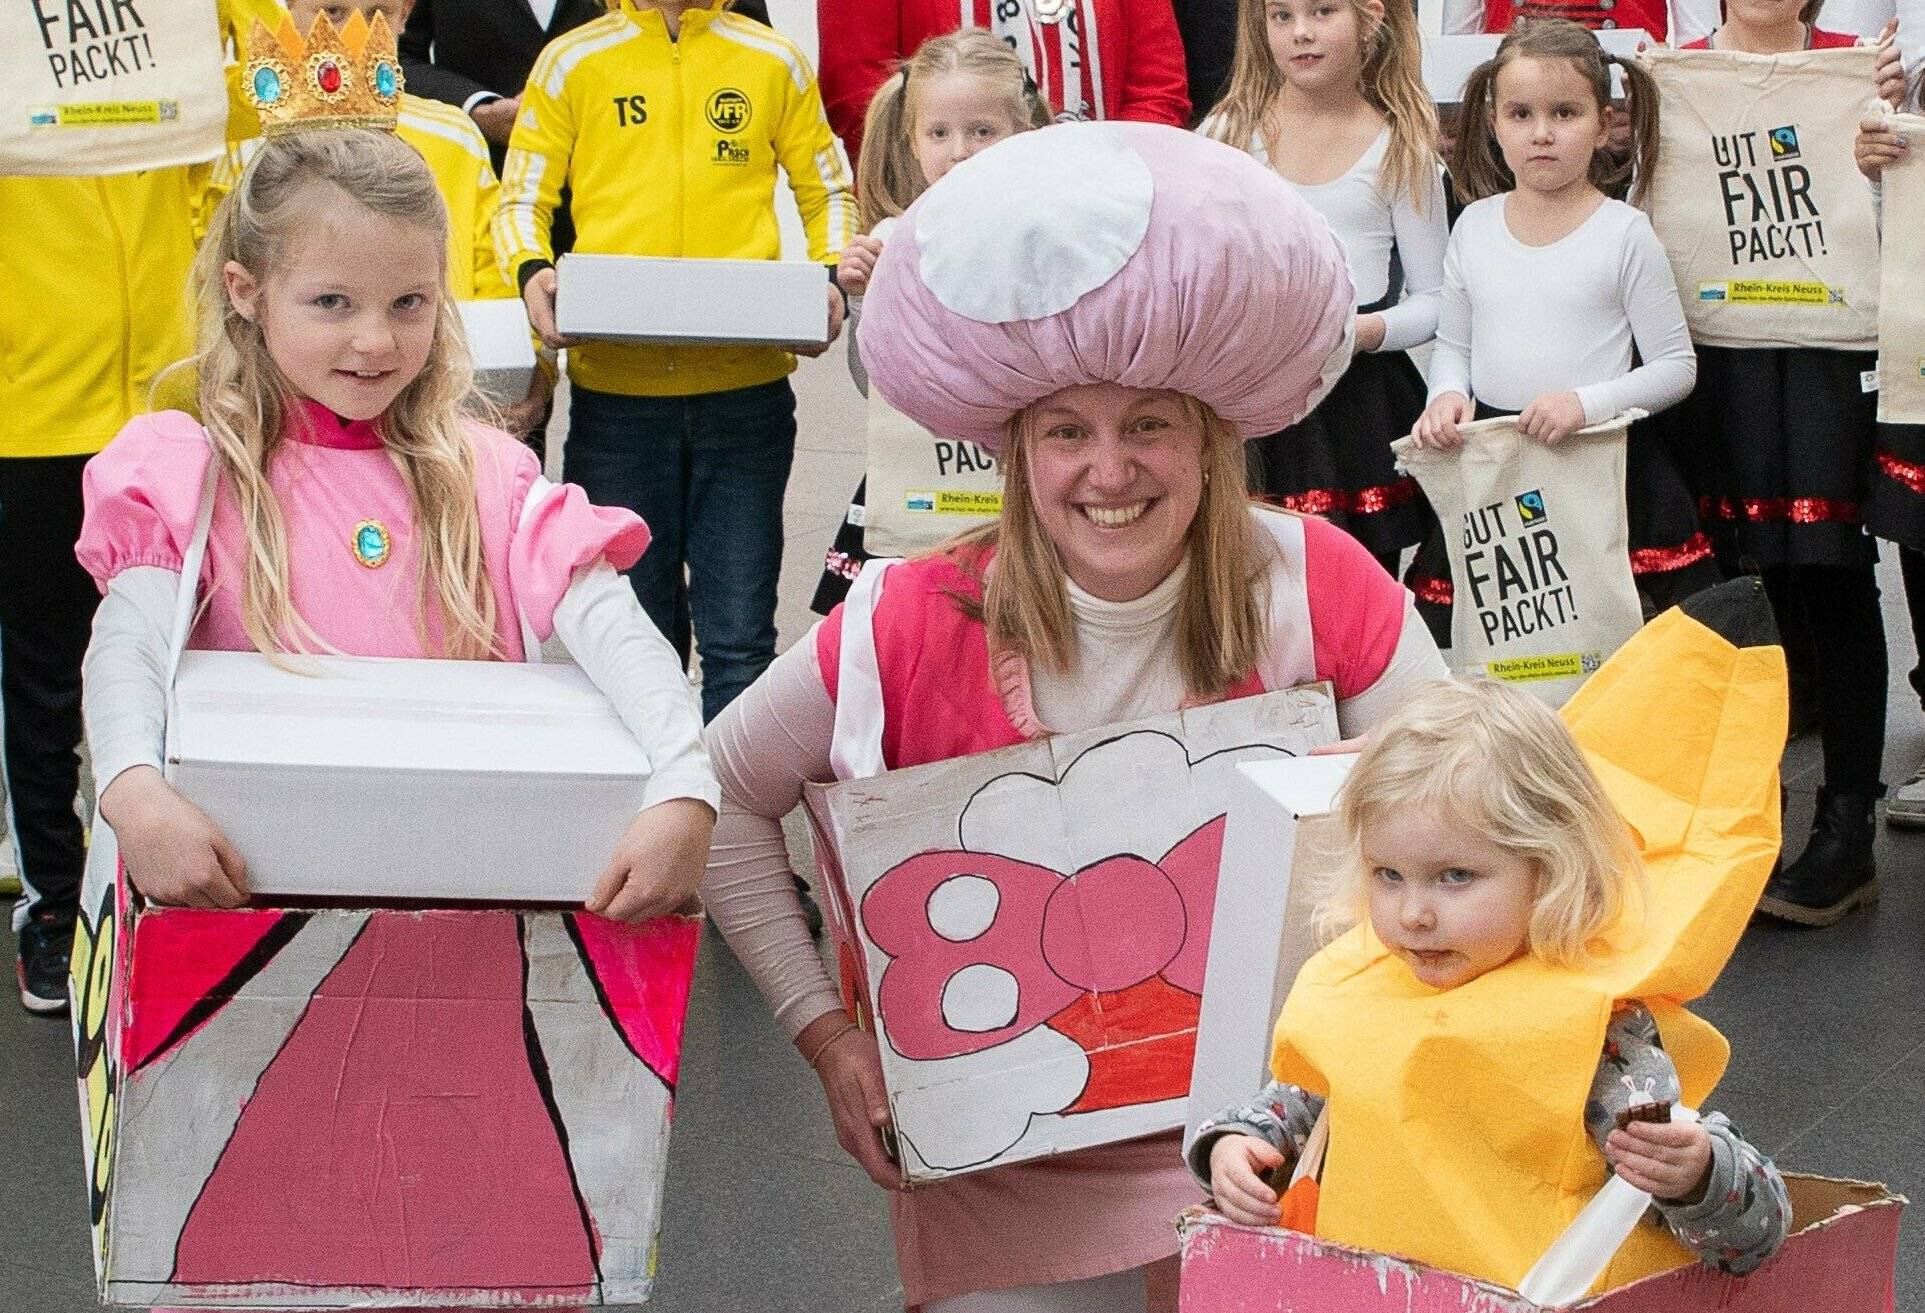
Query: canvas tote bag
110, 86
1901, 291
1768, 223
1538, 550
923, 489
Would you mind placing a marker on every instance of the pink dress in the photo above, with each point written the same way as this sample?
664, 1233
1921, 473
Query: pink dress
342, 499
435, 1158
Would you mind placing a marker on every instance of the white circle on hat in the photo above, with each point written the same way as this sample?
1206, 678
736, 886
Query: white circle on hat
1029, 227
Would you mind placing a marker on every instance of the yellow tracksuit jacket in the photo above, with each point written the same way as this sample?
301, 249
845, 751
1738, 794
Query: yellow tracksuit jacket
457, 154
670, 148
93, 288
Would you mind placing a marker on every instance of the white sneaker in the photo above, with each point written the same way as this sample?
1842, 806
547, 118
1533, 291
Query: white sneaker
1905, 807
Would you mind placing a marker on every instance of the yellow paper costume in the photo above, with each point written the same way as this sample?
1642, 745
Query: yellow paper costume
1457, 1132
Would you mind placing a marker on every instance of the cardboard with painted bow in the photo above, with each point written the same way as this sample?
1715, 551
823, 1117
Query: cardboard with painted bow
1027, 930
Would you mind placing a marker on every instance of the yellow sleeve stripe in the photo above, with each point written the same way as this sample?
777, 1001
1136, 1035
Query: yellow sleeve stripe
747, 32
459, 129
561, 57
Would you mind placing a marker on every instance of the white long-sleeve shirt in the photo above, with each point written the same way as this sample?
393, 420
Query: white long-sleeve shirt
1521, 321
598, 619
1374, 225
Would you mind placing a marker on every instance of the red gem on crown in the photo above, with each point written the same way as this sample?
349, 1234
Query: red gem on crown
329, 76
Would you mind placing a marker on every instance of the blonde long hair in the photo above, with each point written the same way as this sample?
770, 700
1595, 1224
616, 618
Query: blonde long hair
246, 400
1221, 617
888, 179
1501, 762
1391, 82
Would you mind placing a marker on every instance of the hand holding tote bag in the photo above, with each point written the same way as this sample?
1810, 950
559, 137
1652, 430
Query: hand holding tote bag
923, 489
1901, 295
92, 88
1538, 550
1767, 221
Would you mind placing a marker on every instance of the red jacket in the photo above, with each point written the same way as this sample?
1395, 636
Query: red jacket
1130, 65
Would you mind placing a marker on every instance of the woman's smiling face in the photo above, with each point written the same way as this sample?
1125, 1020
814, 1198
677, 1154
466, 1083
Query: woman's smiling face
1116, 475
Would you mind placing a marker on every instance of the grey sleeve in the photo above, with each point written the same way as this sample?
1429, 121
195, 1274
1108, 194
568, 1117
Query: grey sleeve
1745, 1213
856, 371
1281, 1116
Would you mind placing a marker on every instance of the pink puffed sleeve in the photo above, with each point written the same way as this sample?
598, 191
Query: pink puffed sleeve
1356, 608
141, 493
558, 535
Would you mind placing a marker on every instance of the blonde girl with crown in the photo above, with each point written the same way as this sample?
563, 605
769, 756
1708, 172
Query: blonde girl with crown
357, 509
1330, 94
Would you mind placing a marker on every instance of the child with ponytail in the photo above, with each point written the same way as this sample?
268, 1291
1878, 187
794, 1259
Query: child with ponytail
959, 94
1551, 285
1330, 94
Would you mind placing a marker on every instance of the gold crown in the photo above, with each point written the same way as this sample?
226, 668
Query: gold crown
345, 79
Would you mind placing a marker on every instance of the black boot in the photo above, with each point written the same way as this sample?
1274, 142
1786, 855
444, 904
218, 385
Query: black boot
1835, 873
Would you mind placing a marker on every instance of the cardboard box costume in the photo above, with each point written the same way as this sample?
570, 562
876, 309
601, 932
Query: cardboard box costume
327, 1107
1468, 1103
1839, 1258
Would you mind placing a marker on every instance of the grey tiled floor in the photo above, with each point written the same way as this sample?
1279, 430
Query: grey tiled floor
1828, 1072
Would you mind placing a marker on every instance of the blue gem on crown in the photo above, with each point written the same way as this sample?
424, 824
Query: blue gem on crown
385, 81
267, 86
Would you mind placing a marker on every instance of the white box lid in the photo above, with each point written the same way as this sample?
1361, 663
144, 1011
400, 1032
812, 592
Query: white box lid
498, 334
655, 299
397, 715
1302, 786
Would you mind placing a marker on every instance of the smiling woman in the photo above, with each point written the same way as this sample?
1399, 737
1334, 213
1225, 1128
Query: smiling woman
1113, 309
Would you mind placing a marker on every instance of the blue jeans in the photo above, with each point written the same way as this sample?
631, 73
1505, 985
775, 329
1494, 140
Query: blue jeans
708, 473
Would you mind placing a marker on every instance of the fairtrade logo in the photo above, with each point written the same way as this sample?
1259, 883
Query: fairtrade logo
1530, 507
729, 110
1784, 143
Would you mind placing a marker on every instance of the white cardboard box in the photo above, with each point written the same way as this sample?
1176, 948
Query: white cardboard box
635, 298
1276, 849
503, 349
1450, 59
362, 777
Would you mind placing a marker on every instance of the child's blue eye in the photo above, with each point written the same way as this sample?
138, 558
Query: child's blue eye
412, 301
330, 301
1388, 876
1456, 875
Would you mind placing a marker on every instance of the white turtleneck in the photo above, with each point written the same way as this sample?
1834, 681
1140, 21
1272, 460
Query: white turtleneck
1126, 661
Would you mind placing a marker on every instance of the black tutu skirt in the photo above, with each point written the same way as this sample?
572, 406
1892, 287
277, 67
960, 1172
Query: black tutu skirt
1777, 445
845, 556
1336, 461
1671, 556
1895, 511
